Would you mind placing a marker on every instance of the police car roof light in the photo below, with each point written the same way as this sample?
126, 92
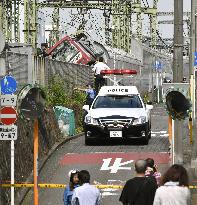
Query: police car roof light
118, 72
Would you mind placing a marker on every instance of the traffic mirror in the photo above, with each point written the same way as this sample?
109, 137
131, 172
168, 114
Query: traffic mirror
31, 102
177, 99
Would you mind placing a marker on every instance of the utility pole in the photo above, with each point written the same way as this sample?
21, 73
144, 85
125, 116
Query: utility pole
193, 43
178, 75
193, 35
193, 73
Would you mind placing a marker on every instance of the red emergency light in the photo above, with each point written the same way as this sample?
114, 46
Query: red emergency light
118, 72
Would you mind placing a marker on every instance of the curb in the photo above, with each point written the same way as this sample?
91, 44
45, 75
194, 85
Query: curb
20, 196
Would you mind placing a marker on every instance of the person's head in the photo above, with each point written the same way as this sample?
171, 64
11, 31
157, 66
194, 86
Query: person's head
150, 162
151, 165
101, 59
89, 85
140, 166
44, 46
74, 179
176, 173
84, 177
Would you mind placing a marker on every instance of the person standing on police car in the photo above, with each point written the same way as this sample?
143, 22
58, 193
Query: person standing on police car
139, 190
85, 194
174, 189
74, 183
99, 80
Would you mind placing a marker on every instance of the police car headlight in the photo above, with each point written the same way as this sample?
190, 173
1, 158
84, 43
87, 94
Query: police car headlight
91, 120
88, 119
140, 120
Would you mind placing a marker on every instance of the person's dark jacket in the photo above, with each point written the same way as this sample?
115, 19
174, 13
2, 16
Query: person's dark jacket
139, 191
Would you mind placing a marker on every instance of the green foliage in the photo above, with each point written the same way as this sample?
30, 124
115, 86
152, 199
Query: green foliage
146, 97
55, 93
76, 103
58, 94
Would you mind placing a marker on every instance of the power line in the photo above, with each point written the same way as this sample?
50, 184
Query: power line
157, 32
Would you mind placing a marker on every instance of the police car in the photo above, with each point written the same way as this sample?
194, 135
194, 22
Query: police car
117, 112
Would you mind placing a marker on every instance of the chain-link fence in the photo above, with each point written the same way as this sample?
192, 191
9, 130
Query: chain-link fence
28, 69
71, 74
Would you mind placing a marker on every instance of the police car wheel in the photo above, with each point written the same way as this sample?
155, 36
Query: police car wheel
149, 131
145, 140
149, 135
87, 140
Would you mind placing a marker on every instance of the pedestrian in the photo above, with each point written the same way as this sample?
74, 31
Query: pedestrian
44, 47
139, 190
174, 187
99, 80
151, 170
74, 182
90, 93
85, 194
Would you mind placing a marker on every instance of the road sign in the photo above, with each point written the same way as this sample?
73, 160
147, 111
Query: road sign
8, 132
8, 100
195, 58
158, 65
8, 85
8, 115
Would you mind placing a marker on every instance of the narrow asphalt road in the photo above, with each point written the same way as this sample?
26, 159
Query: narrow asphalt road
110, 163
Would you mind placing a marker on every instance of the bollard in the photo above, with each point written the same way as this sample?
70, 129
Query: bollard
170, 129
190, 130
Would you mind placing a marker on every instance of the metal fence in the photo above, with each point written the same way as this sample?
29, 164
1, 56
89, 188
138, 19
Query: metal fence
72, 74
29, 69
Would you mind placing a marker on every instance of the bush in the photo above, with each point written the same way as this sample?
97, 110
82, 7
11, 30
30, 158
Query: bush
57, 94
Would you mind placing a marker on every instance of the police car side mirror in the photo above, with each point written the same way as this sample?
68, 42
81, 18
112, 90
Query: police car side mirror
149, 103
86, 107
149, 107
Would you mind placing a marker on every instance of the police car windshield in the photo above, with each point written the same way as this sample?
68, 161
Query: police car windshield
118, 101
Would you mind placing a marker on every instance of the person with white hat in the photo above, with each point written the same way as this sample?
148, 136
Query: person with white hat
74, 182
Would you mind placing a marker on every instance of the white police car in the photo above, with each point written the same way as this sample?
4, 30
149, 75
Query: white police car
117, 112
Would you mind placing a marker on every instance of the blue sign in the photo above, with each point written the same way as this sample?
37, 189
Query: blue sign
158, 65
8, 85
195, 58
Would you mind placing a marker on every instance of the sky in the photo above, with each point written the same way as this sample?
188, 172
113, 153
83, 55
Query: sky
168, 5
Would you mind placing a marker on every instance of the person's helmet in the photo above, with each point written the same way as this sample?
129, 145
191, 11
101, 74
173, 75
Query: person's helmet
73, 171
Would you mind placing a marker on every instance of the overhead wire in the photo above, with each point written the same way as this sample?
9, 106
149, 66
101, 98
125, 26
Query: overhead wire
157, 32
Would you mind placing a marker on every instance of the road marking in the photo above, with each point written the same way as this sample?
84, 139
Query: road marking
118, 165
164, 135
97, 158
108, 192
159, 132
105, 192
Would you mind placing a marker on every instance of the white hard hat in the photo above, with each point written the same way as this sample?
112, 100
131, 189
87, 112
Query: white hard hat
72, 171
